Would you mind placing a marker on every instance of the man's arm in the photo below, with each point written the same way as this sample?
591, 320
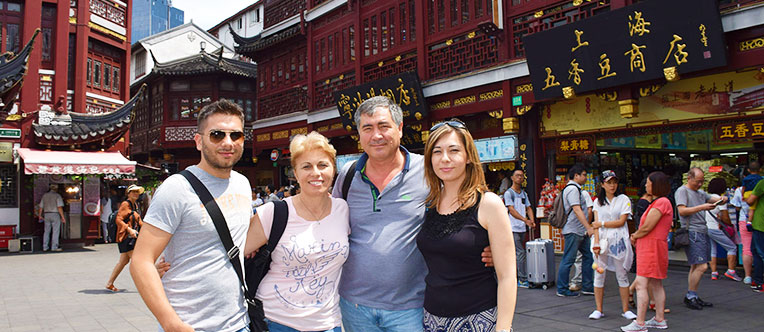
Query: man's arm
686, 211
582, 218
531, 220
149, 246
516, 214
61, 213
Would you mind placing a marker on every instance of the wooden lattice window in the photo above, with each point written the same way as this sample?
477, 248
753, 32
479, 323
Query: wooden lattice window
9, 189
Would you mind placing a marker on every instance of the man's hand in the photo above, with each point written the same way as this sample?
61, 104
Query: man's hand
487, 257
596, 224
162, 266
590, 231
63, 220
530, 223
707, 206
178, 327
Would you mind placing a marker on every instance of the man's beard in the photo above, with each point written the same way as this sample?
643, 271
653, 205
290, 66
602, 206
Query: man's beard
214, 160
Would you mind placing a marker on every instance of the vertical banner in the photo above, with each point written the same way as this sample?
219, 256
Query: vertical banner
91, 196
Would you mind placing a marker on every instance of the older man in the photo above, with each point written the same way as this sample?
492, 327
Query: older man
52, 211
692, 204
382, 285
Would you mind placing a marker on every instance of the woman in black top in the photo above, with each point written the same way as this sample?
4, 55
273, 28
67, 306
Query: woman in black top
462, 294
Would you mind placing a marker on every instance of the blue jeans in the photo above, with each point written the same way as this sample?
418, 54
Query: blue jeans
276, 327
576, 243
757, 249
359, 318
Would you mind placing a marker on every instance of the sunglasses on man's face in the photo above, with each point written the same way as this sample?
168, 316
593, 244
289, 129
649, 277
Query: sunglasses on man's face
216, 136
453, 123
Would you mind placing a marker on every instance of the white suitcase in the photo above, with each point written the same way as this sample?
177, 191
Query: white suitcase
540, 263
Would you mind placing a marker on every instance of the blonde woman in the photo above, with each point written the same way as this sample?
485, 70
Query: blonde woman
299, 292
462, 219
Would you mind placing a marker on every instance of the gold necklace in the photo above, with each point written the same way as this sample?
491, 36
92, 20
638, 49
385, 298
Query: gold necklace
315, 216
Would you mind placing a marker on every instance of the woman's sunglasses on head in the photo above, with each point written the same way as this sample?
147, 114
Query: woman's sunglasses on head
453, 123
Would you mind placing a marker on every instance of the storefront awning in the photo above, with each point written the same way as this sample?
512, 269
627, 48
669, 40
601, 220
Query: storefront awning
75, 162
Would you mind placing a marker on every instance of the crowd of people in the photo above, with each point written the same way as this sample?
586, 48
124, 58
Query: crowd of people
407, 242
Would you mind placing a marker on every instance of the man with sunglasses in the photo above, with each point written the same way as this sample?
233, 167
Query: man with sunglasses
201, 290
382, 285
520, 215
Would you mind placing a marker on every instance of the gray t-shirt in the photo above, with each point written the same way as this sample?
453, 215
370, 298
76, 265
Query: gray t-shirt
201, 284
690, 198
385, 269
572, 197
50, 202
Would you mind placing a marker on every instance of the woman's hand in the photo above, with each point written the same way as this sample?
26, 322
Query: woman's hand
132, 233
162, 266
596, 225
633, 240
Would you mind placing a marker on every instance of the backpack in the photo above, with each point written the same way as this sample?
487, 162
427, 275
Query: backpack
348, 180
111, 226
558, 217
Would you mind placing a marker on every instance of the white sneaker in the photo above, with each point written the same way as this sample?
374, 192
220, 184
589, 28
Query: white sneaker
634, 327
629, 315
654, 324
596, 314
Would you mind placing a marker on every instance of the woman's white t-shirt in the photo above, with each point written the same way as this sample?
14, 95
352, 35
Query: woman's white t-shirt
711, 222
301, 287
619, 248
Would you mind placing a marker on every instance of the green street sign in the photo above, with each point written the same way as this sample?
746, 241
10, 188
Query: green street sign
10, 133
517, 100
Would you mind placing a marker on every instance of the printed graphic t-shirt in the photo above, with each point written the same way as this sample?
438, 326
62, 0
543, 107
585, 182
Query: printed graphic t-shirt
300, 289
201, 283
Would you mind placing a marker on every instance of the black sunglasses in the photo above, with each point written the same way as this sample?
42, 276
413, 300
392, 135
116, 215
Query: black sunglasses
216, 136
454, 123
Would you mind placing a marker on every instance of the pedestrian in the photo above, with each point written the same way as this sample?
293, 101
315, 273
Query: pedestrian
651, 242
201, 290
741, 209
717, 187
757, 236
299, 291
382, 285
639, 209
280, 192
52, 210
462, 219
105, 214
611, 242
503, 182
520, 215
575, 282
753, 178
270, 195
128, 225
691, 203
576, 233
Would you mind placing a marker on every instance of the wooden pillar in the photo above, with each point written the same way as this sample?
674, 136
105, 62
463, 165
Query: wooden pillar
358, 36
61, 45
421, 49
82, 32
30, 91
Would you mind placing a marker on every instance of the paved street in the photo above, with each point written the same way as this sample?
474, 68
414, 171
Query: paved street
64, 292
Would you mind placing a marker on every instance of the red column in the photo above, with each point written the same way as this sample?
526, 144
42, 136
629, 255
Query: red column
311, 64
125, 91
61, 44
421, 48
82, 32
30, 91
358, 35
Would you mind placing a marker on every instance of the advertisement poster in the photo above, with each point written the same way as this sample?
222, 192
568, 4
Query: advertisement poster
497, 149
91, 196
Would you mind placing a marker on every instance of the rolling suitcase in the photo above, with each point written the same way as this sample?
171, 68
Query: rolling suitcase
540, 263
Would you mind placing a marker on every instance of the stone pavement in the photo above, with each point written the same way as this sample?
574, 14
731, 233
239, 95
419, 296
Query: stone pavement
64, 292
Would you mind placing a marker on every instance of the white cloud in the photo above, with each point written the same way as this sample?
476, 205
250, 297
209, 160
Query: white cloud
208, 13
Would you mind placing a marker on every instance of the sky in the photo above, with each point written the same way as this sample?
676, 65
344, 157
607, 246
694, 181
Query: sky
208, 13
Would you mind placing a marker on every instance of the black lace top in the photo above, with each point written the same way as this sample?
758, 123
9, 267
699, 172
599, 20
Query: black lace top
458, 283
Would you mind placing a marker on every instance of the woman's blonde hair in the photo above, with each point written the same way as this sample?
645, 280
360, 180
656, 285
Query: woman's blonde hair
474, 181
313, 141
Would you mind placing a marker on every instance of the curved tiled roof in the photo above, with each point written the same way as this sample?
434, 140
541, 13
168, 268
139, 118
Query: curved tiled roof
252, 44
13, 69
103, 129
204, 62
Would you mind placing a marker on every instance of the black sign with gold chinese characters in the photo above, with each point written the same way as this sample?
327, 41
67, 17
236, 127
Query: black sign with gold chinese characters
576, 145
403, 89
739, 131
646, 41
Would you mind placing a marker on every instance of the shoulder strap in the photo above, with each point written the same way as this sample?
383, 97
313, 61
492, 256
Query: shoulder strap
221, 226
348, 180
581, 200
280, 217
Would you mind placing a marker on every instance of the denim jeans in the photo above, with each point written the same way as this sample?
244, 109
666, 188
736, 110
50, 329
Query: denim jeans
757, 248
576, 243
276, 327
519, 238
359, 318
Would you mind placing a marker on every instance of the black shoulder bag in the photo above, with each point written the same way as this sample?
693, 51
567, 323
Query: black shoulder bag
255, 267
348, 180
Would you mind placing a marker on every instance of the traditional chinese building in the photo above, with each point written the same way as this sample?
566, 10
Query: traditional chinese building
76, 65
476, 60
178, 86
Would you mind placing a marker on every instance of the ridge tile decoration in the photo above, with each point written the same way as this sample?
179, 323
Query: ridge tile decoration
632, 44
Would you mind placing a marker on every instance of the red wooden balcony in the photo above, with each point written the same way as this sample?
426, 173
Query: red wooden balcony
280, 10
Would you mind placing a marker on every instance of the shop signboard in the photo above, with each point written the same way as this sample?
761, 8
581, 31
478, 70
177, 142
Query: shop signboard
637, 43
403, 89
739, 131
10, 133
576, 145
497, 149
